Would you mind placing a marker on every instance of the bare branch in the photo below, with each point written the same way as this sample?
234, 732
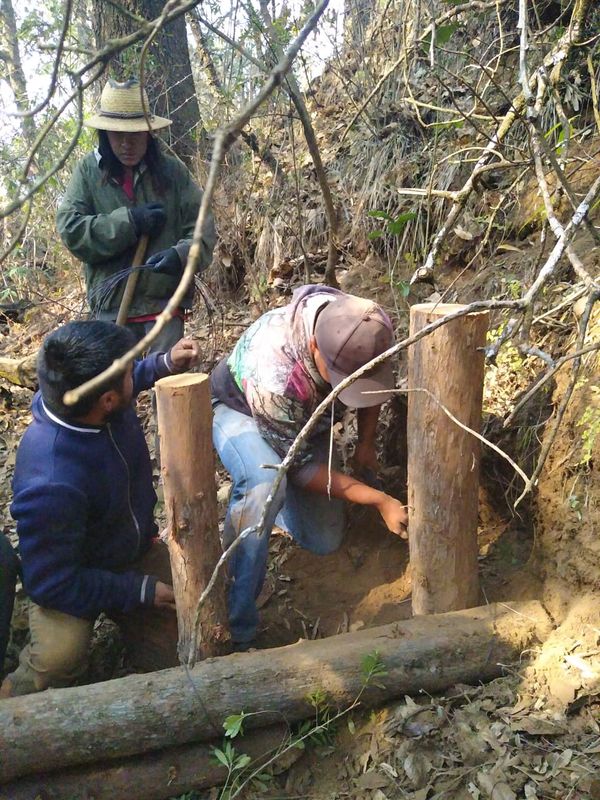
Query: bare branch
453, 12
554, 59
590, 348
8, 209
551, 436
57, 59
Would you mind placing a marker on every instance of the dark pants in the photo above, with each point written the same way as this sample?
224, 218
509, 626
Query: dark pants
9, 569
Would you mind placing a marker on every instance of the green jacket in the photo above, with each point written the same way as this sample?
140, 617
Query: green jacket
94, 223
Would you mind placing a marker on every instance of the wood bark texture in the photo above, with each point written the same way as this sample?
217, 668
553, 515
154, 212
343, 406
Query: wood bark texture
443, 459
142, 713
188, 470
20, 371
151, 776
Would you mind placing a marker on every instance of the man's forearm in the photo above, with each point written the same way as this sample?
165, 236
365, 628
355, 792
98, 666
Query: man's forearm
367, 419
343, 487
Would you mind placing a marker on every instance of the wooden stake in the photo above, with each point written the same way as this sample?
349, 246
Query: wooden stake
132, 279
443, 459
185, 428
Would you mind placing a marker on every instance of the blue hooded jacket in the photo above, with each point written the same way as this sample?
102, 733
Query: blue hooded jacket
83, 501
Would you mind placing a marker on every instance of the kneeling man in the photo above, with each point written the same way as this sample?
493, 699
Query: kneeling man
83, 500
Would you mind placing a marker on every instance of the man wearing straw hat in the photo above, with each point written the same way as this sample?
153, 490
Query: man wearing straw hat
125, 190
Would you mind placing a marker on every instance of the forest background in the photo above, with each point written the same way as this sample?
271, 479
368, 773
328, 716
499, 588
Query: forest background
440, 151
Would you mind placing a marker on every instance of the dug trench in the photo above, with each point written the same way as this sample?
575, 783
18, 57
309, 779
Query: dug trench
365, 583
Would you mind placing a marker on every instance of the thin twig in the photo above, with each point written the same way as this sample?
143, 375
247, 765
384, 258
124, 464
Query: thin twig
464, 427
550, 438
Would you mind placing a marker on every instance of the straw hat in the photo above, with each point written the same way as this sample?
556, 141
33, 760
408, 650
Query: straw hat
122, 108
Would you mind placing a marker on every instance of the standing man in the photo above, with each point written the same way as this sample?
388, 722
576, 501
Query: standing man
127, 188
83, 500
283, 366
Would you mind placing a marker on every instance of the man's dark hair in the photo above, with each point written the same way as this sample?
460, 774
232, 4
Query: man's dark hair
75, 353
112, 167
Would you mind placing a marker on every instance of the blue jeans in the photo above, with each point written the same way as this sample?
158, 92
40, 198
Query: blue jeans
9, 569
315, 522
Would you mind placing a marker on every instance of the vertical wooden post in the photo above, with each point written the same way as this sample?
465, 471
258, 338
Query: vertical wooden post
443, 459
185, 429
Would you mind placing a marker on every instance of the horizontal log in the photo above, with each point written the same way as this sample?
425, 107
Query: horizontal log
20, 371
150, 776
141, 713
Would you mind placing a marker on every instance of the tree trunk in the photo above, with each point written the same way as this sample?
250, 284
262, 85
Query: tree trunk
185, 428
142, 713
443, 459
11, 56
293, 90
152, 776
250, 138
167, 70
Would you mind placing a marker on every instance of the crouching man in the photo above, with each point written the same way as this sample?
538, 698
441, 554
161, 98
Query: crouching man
83, 500
283, 366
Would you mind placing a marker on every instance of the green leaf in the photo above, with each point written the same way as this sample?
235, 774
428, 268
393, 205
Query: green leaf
374, 234
351, 726
373, 667
220, 756
379, 215
404, 288
242, 761
397, 225
233, 725
443, 34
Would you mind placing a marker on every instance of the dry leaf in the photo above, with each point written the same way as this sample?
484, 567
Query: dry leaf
372, 780
417, 768
495, 789
538, 726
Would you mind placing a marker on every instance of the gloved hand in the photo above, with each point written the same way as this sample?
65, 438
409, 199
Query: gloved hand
148, 218
167, 262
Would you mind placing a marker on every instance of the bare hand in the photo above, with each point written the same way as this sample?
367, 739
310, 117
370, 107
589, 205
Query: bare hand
395, 515
185, 354
163, 594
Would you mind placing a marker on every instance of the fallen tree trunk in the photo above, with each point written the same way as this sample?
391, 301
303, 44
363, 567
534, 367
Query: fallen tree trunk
20, 371
150, 776
141, 713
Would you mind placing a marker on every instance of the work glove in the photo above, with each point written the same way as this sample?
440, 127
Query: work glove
166, 262
148, 218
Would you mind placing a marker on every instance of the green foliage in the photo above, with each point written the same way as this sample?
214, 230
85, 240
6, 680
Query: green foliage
373, 668
234, 725
443, 34
230, 758
395, 225
509, 357
575, 505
